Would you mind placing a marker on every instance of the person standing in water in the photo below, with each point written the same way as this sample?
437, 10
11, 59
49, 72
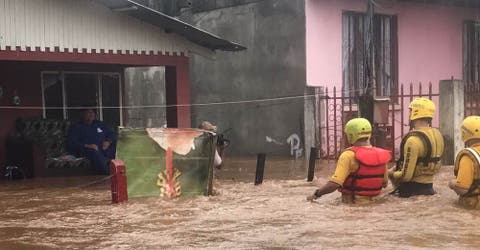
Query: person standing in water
467, 165
361, 170
421, 150
206, 125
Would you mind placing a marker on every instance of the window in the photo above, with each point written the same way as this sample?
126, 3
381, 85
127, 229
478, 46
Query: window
471, 52
369, 64
65, 92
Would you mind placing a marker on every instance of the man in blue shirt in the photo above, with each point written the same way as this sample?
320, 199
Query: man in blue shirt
93, 139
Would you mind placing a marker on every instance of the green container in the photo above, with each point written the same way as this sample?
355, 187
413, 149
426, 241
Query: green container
144, 153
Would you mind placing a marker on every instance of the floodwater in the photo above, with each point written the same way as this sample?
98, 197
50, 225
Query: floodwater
73, 213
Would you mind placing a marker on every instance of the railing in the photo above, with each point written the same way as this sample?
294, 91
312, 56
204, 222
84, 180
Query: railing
334, 109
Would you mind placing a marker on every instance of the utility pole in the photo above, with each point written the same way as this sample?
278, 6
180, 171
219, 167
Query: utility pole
367, 94
367, 98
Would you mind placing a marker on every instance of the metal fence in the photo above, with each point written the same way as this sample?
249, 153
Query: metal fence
335, 108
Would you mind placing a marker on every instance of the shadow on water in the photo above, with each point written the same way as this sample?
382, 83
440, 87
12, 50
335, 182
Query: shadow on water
58, 214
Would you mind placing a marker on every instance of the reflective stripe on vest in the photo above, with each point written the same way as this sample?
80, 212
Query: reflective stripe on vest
428, 146
476, 181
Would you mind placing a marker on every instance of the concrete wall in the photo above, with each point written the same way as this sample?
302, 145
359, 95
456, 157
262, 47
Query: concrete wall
169, 7
208, 5
273, 66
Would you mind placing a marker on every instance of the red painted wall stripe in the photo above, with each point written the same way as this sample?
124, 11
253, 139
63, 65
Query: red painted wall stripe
135, 59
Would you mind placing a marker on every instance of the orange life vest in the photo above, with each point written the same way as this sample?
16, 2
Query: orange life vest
368, 179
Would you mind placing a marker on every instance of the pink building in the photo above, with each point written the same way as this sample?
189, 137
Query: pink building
429, 38
417, 42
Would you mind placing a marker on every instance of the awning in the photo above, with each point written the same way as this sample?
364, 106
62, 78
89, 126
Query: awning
170, 24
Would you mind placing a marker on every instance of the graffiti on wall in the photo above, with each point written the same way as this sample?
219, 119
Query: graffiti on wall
293, 141
295, 149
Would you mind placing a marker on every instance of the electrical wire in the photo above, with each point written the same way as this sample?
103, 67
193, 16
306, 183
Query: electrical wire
321, 95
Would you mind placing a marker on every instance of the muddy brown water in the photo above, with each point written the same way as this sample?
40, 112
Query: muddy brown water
61, 213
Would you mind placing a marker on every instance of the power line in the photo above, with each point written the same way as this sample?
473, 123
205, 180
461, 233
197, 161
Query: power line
321, 95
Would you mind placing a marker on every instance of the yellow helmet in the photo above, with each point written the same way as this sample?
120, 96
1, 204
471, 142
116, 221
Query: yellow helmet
357, 128
421, 108
471, 128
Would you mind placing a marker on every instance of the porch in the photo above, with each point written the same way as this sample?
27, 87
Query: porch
59, 56
57, 91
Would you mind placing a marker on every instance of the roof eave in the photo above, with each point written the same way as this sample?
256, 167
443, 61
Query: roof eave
170, 24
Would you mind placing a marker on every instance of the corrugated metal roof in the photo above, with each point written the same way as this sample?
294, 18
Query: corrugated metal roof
171, 24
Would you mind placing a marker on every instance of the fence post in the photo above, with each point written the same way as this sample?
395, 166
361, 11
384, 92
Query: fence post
451, 114
311, 164
323, 142
260, 168
310, 125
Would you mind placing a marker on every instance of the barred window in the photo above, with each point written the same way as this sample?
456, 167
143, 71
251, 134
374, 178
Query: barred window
471, 51
370, 57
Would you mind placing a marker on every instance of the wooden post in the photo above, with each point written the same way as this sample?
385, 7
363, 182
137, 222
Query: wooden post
311, 164
260, 168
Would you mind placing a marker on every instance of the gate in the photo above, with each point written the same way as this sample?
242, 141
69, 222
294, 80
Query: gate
335, 108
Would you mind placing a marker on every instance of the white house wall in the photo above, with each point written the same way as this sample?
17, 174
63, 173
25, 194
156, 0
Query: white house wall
82, 25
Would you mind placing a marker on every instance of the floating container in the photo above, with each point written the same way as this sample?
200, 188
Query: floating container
167, 162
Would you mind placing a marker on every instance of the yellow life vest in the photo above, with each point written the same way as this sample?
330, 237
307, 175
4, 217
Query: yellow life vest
475, 156
434, 146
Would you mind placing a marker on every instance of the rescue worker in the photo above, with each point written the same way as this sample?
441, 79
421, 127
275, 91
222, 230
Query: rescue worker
467, 165
420, 152
361, 170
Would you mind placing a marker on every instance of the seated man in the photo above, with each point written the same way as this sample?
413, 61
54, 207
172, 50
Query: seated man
93, 139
